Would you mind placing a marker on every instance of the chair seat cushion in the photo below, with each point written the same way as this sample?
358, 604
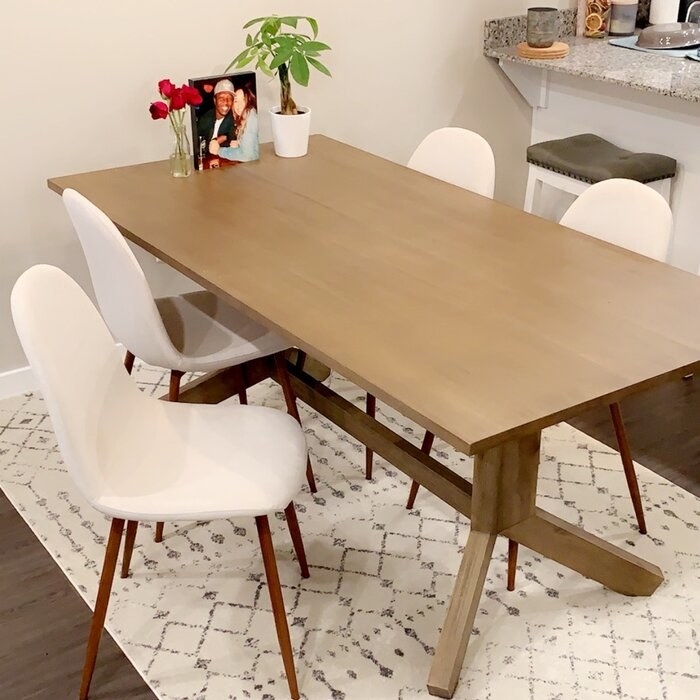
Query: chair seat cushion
201, 462
211, 335
589, 158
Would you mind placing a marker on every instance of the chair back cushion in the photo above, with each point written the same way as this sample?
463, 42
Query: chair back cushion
123, 294
458, 156
625, 213
93, 403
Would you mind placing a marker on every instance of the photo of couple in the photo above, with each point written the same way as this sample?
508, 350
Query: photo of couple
225, 125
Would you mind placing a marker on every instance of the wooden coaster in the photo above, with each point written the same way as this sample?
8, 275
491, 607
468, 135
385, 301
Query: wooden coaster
557, 50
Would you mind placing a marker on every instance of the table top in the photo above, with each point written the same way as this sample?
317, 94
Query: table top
479, 321
598, 60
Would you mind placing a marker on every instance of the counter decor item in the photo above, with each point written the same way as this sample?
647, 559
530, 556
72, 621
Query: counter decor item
593, 18
557, 50
542, 27
664, 11
173, 105
623, 17
288, 55
225, 124
677, 35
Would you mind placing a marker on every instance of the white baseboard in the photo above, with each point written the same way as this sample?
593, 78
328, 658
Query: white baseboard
16, 381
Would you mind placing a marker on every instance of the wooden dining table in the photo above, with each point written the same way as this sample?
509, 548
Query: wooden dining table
480, 322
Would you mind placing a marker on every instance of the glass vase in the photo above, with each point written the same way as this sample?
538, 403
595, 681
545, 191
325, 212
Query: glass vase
181, 156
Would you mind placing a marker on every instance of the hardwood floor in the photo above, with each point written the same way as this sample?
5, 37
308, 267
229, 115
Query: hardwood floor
44, 625
663, 427
44, 621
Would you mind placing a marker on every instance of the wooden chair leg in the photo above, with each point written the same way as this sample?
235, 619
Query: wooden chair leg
512, 563
293, 524
174, 388
173, 395
129, 361
131, 527
98, 617
291, 401
628, 466
371, 410
243, 397
427, 445
275, 590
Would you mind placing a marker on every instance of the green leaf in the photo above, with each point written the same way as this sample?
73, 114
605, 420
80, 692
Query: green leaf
319, 66
282, 56
299, 69
286, 41
244, 62
316, 46
313, 24
263, 67
238, 60
290, 21
249, 40
251, 22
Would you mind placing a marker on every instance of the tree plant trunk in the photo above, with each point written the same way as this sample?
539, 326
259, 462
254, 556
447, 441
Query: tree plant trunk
287, 104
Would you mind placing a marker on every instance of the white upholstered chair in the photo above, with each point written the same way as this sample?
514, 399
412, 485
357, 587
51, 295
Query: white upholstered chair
631, 215
459, 157
136, 458
193, 332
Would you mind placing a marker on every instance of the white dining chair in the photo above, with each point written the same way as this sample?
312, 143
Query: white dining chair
194, 332
458, 156
630, 215
463, 158
135, 458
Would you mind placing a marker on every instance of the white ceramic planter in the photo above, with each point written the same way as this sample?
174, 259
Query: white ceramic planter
290, 132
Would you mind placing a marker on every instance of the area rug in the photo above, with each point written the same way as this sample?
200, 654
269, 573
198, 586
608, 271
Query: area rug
195, 620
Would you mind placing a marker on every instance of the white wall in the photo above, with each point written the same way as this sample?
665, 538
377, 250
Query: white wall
77, 77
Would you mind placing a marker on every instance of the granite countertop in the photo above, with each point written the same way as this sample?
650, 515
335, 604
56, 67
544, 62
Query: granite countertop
598, 60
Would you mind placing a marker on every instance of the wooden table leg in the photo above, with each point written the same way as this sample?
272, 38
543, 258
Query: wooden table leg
591, 556
452, 646
504, 490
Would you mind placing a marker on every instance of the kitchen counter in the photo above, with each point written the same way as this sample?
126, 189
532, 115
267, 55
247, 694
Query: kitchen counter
598, 60
641, 101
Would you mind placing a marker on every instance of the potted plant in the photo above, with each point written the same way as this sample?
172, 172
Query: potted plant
278, 49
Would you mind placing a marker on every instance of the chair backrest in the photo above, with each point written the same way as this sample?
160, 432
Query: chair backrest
92, 401
123, 294
625, 213
458, 156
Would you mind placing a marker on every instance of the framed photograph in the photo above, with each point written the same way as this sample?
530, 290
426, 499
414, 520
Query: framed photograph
225, 125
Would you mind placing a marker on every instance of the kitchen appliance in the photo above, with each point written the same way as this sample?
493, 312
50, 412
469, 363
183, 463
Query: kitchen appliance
685, 7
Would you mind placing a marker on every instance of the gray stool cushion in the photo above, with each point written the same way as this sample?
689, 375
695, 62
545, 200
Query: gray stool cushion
589, 158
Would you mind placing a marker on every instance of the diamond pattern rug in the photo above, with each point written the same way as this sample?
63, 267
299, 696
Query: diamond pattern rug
195, 620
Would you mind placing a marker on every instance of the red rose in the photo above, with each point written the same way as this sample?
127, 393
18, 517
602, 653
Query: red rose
158, 110
165, 88
177, 99
192, 96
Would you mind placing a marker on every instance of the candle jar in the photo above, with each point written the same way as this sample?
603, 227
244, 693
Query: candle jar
542, 26
623, 17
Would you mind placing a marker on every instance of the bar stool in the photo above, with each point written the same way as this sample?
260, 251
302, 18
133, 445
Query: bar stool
575, 163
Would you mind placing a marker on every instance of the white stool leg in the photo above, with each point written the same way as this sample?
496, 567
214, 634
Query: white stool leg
532, 192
